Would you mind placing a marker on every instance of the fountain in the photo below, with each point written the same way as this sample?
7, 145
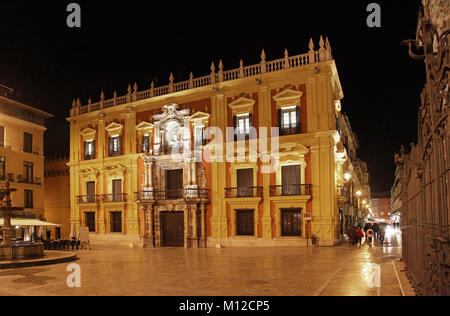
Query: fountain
8, 249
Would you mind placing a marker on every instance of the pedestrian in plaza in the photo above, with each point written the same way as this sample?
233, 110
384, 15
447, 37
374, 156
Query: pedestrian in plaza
376, 229
382, 233
359, 235
367, 226
351, 236
369, 236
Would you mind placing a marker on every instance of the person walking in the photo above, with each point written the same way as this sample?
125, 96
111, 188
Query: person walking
382, 233
359, 235
369, 236
376, 229
351, 236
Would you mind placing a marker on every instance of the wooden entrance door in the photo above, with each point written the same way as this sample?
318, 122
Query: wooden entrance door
172, 229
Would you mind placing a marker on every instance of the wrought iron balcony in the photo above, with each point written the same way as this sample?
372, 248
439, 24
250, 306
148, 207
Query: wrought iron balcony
290, 129
163, 195
291, 190
243, 192
115, 197
88, 199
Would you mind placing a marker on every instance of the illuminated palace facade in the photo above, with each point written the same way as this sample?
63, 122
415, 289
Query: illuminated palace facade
247, 157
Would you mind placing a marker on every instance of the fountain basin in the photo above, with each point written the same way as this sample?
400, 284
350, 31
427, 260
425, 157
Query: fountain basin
22, 251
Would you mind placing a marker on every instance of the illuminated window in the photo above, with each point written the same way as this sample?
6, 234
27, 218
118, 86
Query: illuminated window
89, 150
289, 118
146, 143
242, 126
115, 146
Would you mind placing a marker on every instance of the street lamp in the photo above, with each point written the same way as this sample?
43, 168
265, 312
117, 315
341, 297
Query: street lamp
358, 193
347, 176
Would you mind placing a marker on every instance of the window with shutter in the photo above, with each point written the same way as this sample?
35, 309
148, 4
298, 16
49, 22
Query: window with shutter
115, 146
242, 126
289, 120
290, 177
244, 182
90, 192
117, 190
89, 150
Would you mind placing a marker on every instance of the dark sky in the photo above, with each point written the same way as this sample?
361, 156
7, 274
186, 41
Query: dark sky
121, 42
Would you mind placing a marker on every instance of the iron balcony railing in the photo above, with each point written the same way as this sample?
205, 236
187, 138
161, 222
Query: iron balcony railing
291, 190
88, 199
115, 197
163, 195
290, 129
243, 192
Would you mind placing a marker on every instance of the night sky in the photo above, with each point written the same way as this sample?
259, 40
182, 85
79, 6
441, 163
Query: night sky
122, 42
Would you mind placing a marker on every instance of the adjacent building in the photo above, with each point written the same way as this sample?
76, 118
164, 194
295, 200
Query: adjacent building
22, 130
247, 157
423, 171
57, 194
381, 206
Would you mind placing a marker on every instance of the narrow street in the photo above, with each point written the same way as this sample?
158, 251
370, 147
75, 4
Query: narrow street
315, 271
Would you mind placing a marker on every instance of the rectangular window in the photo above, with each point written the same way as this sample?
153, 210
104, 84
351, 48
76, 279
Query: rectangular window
28, 199
27, 172
242, 126
117, 190
146, 143
27, 142
291, 222
200, 137
90, 192
90, 221
290, 177
245, 223
2, 136
289, 118
89, 150
115, 148
116, 222
2, 168
244, 179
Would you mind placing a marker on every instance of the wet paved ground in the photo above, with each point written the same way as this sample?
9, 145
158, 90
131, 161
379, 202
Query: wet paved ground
342, 271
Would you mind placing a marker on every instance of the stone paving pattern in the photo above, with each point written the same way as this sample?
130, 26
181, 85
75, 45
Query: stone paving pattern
312, 271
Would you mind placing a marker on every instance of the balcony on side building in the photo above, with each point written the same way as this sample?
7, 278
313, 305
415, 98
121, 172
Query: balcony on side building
115, 197
164, 195
88, 199
291, 190
244, 192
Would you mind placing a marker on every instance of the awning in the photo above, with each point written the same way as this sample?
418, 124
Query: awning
29, 222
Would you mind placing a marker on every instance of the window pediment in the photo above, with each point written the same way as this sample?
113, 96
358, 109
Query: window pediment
288, 97
242, 105
88, 134
200, 118
114, 129
293, 149
144, 128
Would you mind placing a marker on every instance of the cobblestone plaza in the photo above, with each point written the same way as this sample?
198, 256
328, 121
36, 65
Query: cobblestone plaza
313, 271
